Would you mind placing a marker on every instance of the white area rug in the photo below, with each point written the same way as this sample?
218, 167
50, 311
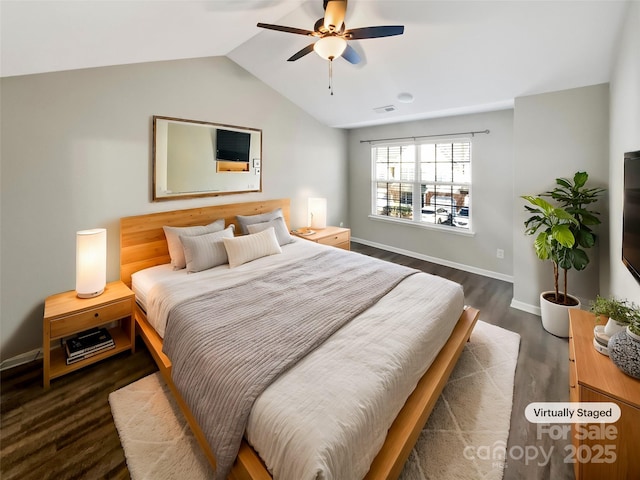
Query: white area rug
472, 416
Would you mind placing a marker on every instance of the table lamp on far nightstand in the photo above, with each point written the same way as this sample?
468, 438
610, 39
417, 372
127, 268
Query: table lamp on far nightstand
91, 262
317, 213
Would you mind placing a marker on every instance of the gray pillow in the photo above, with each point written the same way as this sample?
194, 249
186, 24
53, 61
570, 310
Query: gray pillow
245, 220
202, 252
176, 252
282, 234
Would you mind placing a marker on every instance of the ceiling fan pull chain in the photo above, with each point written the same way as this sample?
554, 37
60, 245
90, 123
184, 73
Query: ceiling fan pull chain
331, 75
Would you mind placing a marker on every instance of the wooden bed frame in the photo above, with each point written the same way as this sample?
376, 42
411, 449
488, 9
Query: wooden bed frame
143, 245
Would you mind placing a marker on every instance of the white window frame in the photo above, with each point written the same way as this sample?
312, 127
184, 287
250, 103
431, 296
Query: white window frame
418, 182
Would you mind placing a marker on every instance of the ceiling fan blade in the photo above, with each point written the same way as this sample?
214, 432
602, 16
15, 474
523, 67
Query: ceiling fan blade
334, 13
280, 28
374, 32
350, 55
301, 53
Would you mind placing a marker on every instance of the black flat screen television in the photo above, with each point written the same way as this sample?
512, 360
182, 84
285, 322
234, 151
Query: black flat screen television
232, 146
631, 214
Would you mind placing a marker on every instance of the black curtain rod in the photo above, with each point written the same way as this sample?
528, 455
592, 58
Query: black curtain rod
486, 132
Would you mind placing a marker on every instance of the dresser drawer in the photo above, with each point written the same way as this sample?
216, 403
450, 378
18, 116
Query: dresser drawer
336, 239
70, 324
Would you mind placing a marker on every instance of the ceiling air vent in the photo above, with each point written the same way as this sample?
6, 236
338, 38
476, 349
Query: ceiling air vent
387, 109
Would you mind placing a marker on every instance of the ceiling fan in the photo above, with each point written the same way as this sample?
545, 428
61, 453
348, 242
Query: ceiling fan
333, 35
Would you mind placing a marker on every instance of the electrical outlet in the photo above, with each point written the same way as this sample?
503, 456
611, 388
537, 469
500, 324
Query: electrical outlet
500, 253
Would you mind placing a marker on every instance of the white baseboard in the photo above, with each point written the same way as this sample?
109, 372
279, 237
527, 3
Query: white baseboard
535, 309
439, 261
525, 307
21, 359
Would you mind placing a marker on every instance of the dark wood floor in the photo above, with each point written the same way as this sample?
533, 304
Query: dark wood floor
68, 432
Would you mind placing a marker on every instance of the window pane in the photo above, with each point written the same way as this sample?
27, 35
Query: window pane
394, 200
461, 172
395, 163
446, 205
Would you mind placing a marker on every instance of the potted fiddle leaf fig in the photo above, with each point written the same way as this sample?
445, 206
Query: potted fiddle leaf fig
563, 233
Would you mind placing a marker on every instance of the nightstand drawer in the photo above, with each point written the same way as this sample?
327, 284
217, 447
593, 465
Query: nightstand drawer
90, 318
336, 239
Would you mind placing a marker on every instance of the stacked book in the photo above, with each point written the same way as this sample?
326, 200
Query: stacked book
87, 344
601, 340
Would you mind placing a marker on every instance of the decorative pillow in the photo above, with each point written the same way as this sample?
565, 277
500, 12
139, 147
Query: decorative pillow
282, 234
176, 252
205, 251
245, 220
246, 248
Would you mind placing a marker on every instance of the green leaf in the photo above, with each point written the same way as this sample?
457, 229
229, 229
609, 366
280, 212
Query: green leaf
565, 258
562, 234
564, 182
580, 178
585, 238
580, 259
545, 206
589, 219
564, 215
542, 247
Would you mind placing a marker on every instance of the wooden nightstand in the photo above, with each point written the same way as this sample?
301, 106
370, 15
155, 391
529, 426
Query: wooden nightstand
65, 314
593, 377
335, 236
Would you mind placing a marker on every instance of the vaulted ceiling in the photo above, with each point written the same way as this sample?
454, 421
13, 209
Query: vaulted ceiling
454, 56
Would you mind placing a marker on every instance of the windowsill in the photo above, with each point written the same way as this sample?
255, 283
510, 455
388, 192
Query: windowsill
426, 226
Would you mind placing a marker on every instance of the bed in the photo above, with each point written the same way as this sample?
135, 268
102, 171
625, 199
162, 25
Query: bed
144, 249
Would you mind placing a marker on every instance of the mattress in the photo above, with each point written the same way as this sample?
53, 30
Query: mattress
327, 417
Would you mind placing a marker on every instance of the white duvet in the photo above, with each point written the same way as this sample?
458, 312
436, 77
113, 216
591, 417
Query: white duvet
328, 416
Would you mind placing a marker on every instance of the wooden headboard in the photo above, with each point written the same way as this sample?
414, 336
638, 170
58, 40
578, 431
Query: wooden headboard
142, 240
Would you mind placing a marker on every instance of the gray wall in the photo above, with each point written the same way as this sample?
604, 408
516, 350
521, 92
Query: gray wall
76, 154
556, 135
492, 196
615, 279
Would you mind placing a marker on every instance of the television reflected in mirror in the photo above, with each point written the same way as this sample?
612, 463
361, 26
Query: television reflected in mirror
193, 158
631, 214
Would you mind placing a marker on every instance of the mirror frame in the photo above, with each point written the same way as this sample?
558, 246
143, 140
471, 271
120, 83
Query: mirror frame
254, 163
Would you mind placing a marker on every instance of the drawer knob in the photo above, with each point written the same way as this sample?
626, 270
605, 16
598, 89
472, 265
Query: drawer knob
96, 315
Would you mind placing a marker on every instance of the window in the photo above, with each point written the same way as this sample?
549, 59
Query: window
425, 182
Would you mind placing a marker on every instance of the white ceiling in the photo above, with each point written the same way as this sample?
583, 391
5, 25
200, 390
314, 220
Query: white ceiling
454, 57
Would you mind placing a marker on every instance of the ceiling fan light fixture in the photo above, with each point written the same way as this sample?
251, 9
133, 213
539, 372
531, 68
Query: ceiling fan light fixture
330, 47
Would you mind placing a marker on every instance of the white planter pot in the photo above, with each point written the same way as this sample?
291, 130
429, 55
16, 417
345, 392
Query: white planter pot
555, 317
613, 326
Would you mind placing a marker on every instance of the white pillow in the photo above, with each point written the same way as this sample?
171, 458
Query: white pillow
202, 252
176, 252
282, 234
251, 247
245, 220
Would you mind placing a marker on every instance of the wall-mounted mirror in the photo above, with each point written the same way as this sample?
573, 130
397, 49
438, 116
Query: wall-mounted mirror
198, 159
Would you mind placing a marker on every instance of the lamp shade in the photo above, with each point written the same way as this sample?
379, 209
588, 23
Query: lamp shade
317, 212
91, 262
330, 47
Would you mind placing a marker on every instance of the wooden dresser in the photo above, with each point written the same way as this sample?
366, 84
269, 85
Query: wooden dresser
335, 236
593, 377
